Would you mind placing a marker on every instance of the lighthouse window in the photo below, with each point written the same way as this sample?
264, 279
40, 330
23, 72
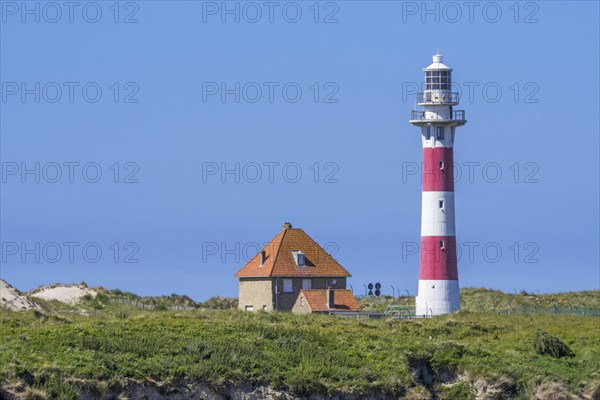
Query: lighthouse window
437, 80
441, 164
441, 244
428, 133
440, 133
441, 204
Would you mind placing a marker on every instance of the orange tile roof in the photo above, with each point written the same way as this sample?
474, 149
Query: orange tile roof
343, 299
280, 260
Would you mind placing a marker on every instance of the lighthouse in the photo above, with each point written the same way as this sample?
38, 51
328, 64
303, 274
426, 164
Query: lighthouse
438, 274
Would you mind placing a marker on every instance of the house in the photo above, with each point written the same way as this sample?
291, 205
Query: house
325, 301
291, 262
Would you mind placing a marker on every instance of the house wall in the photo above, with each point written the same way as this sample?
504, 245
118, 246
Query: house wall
301, 307
267, 293
285, 301
256, 292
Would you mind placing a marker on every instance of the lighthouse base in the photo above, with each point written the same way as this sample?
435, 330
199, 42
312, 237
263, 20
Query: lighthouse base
437, 297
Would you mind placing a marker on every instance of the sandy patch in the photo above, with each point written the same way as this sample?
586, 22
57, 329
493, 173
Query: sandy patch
12, 299
69, 294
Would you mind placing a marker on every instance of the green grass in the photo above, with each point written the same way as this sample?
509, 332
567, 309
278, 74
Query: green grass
489, 300
304, 354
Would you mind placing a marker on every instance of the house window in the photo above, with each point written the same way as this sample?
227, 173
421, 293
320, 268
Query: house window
306, 284
440, 133
287, 286
249, 308
264, 307
333, 282
428, 133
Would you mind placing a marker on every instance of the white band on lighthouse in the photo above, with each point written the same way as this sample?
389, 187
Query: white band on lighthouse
437, 297
437, 214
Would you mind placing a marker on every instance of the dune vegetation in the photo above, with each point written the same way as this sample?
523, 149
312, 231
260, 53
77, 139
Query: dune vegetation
466, 355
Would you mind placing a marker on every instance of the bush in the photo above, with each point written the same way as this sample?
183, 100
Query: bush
546, 344
219, 303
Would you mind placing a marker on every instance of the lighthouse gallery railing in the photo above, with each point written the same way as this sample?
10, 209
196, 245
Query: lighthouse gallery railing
420, 115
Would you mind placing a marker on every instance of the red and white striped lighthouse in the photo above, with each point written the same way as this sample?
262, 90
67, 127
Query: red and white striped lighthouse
438, 275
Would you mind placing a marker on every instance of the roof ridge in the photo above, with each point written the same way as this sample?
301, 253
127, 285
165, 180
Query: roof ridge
278, 250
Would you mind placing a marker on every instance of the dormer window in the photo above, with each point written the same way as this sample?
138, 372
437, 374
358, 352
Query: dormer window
263, 257
299, 258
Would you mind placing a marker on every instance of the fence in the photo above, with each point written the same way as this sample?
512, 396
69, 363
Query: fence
149, 306
406, 312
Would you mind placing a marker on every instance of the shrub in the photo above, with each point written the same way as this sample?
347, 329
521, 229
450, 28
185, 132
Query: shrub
102, 298
219, 303
546, 344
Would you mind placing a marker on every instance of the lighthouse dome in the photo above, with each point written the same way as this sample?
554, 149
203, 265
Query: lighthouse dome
438, 64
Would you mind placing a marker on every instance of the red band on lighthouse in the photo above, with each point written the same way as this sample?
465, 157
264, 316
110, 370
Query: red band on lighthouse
438, 169
438, 258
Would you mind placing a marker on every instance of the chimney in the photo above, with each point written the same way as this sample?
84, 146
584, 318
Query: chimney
263, 258
287, 225
330, 298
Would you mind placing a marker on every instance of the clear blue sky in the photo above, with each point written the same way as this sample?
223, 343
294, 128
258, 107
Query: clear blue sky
362, 205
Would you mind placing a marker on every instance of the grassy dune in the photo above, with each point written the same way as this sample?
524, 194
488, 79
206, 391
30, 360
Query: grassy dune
447, 356
489, 300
